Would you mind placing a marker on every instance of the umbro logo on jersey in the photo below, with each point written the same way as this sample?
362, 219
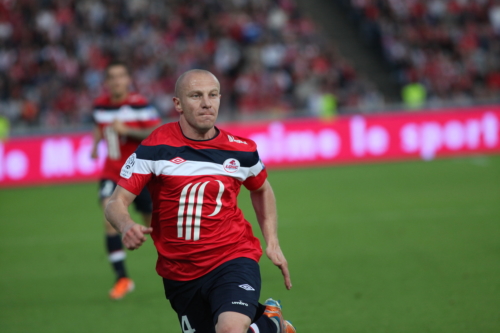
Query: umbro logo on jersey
239, 303
177, 160
246, 287
231, 165
232, 139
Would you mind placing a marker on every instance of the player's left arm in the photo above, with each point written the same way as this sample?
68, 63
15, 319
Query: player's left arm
264, 204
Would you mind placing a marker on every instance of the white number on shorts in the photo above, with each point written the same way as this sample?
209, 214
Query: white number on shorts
192, 213
186, 326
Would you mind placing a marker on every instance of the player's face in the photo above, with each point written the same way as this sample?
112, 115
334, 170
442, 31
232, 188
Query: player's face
118, 81
199, 101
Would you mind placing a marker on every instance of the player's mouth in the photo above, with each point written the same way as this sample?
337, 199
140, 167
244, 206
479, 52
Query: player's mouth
206, 114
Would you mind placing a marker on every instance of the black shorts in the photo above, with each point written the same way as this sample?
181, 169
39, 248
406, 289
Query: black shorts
233, 286
142, 202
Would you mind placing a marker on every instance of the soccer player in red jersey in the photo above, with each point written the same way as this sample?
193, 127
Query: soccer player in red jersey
207, 254
123, 119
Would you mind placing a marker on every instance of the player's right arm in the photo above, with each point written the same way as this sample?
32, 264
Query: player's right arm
97, 137
133, 234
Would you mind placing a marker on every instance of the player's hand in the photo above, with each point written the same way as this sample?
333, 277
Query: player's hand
119, 127
134, 236
275, 254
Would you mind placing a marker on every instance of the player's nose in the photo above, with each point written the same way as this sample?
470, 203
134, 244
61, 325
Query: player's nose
205, 102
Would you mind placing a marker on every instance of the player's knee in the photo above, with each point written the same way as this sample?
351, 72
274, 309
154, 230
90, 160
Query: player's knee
232, 322
231, 329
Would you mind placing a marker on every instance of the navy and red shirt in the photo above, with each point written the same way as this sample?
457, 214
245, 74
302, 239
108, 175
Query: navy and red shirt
194, 186
135, 112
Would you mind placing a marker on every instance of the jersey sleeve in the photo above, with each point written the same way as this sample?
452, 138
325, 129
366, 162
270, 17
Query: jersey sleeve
255, 182
258, 175
136, 172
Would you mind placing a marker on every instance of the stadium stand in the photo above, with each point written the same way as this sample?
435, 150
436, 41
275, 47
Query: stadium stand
452, 47
269, 56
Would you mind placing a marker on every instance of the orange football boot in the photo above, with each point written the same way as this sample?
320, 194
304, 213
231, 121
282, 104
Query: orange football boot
273, 311
121, 288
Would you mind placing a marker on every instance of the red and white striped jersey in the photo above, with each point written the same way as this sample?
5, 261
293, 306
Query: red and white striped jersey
135, 112
194, 186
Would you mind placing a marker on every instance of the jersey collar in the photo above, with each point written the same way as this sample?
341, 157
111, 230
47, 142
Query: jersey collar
213, 138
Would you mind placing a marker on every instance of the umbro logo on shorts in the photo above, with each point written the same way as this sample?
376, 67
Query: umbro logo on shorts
247, 287
239, 303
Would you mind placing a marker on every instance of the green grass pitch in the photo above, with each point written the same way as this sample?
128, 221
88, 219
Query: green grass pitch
403, 247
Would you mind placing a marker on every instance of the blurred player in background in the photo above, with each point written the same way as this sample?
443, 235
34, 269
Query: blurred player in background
123, 119
207, 253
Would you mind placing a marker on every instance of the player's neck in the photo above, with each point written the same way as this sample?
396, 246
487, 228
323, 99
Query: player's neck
118, 98
194, 134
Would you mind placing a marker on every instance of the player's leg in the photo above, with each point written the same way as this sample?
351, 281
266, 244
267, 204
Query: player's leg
192, 309
273, 313
232, 322
236, 290
271, 320
114, 247
144, 205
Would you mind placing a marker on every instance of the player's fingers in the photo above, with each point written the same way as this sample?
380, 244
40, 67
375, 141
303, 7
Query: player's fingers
135, 244
129, 244
131, 241
147, 230
286, 275
139, 234
285, 272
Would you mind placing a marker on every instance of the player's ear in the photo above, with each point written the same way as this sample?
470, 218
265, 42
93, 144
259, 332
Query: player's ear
177, 104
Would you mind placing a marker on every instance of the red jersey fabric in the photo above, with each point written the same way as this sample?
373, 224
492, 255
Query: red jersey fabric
194, 186
135, 112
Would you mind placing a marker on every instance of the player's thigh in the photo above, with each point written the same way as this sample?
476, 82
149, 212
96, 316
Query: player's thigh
143, 203
193, 311
236, 288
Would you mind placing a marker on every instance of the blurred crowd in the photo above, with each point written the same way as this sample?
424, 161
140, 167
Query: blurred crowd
267, 55
451, 47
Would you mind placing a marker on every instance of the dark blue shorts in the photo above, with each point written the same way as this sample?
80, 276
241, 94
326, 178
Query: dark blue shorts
233, 286
142, 203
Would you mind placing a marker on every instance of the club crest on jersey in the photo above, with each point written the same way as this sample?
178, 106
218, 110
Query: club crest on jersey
231, 165
128, 167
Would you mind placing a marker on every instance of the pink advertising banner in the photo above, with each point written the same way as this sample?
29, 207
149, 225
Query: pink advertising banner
284, 143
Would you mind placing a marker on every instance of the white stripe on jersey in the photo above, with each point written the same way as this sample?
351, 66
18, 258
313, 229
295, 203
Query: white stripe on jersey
125, 113
218, 200
193, 168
